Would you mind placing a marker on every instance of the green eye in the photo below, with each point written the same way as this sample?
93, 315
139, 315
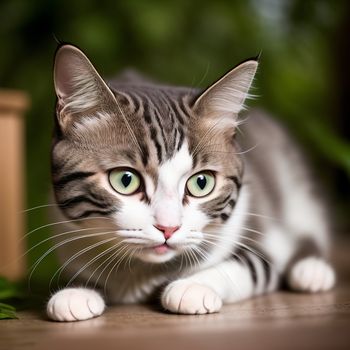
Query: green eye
124, 181
201, 184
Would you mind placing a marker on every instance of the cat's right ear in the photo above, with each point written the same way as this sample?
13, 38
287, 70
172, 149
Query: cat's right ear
79, 88
224, 99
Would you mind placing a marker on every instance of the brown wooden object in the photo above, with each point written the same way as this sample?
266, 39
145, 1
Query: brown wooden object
13, 104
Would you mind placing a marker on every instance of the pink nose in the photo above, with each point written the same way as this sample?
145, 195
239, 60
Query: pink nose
167, 230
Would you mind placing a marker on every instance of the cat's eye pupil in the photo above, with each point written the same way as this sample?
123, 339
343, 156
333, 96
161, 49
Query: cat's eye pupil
201, 181
126, 179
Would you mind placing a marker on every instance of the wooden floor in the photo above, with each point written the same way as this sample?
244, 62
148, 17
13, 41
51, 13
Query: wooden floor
280, 321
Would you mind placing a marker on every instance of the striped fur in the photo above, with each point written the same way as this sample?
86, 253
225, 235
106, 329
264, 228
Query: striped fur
237, 242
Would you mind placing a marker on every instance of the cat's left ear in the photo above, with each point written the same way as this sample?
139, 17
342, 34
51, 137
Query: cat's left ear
226, 96
79, 88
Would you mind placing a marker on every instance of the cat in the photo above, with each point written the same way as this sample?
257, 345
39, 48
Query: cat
166, 193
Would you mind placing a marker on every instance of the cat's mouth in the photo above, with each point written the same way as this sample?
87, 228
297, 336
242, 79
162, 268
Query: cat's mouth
161, 248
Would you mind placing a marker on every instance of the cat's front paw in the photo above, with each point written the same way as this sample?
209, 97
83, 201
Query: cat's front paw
311, 275
185, 297
75, 304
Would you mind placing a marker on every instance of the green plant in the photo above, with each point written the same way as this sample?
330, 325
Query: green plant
7, 311
10, 294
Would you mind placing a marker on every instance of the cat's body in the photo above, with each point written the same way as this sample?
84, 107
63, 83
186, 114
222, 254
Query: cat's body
194, 248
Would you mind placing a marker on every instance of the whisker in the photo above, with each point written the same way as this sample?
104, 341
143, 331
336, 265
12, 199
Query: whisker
59, 235
210, 150
223, 273
188, 259
196, 86
111, 259
91, 261
63, 222
255, 252
38, 207
116, 266
35, 265
248, 150
231, 240
243, 245
260, 216
76, 255
206, 135
96, 269
181, 263
241, 227
195, 258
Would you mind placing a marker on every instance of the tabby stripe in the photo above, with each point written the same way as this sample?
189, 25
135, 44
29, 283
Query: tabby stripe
267, 272
243, 254
175, 138
146, 102
166, 101
92, 212
156, 143
258, 263
195, 159
232, 203
144, 154
64, 163
181, 139
171, 128
181, 108
235, 180
224, 200
137, 102
224, 216
180, 113
161, 128
219, 209
79, 175
148, 118
95, 195
81, 199
150, 106
186, 104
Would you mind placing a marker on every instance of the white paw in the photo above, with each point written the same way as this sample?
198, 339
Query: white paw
311, 275
185, 297
75, 304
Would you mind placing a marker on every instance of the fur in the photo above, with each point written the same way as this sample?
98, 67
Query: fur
260, 224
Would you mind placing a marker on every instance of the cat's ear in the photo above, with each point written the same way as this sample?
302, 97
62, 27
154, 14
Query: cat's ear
79, 88
226, 96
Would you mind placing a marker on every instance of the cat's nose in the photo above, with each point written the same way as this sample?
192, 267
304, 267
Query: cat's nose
168, 231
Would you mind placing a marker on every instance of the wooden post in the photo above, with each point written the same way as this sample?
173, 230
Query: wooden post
13, 104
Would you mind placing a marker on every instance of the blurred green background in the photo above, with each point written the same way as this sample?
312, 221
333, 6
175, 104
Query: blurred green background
303, 77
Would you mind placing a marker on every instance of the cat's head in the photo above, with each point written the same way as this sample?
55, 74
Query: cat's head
161, 164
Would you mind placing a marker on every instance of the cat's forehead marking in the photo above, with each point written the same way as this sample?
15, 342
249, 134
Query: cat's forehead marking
171, 171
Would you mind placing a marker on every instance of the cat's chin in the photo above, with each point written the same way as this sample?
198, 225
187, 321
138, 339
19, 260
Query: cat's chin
152, 255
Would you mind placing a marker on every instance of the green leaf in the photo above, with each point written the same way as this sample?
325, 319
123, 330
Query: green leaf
7, 312
6, 307
7, 316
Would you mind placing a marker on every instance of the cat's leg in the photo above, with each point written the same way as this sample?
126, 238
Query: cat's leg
308, 269
228, 282
75, 304
311, 274
301, 258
